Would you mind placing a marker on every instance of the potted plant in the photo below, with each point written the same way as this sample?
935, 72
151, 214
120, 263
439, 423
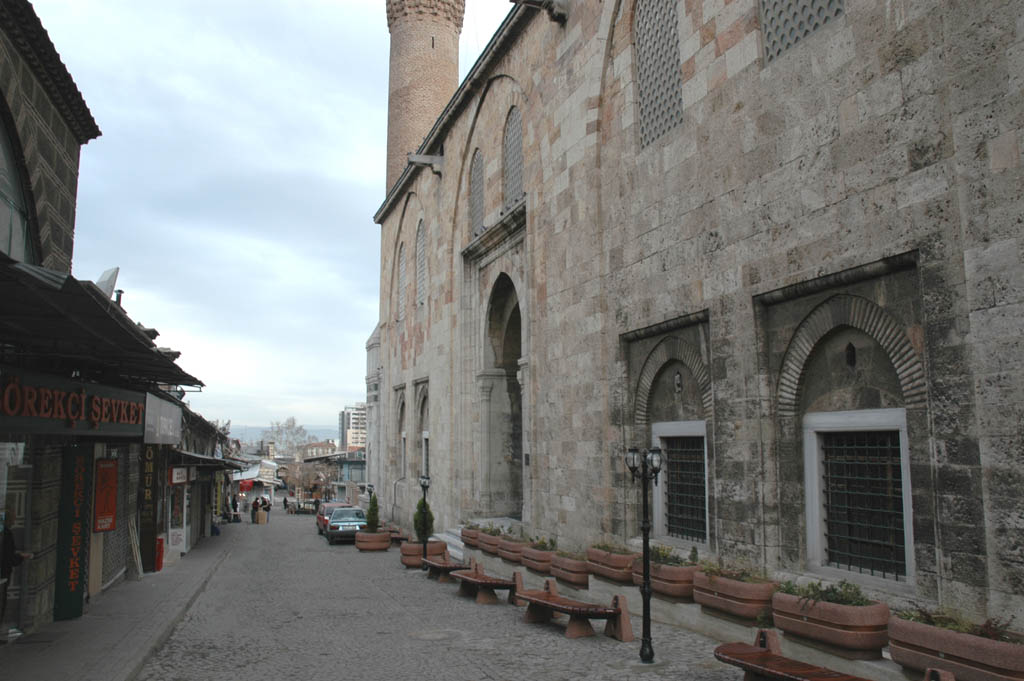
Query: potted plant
470, 534
671, 575
920, 639
423, 525
539, 554
489, 538
611, 561
735, 590
371, 539
571, 567
837, 615
511, 548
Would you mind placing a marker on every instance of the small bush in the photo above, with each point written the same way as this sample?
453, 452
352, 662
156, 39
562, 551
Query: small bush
612, 548
843, 593
542, 544
491, 530
995, 628
741, 573
663, 555
574, 555
423, 521
372, 515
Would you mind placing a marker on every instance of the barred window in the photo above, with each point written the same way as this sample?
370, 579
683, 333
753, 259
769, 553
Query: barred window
476, 193
401, 282
686, 509
658, 68
863, 499
512, 171
787, 22
421, 264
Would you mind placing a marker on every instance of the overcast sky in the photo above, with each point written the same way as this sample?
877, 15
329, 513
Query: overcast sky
241, 161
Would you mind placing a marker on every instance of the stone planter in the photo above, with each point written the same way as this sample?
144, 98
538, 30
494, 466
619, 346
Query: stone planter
617, 567
538, 559
373, 541
674, 581
511, 550
412, 552
488, 543
970, 658
470, 537
855, 631
745, 600
571, 570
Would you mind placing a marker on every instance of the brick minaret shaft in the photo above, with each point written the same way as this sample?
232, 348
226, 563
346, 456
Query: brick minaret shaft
424, 72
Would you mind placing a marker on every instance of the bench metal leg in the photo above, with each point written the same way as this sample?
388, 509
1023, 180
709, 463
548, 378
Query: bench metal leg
468, 590
537, 614
486, 596
620, 627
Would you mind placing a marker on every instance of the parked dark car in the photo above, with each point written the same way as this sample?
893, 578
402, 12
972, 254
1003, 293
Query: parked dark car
325, 512
344, 523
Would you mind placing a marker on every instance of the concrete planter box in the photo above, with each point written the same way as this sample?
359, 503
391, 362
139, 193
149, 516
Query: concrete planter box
470, 537
617, 567
571, 570
745, 600
674, 581
511, 550
412, 552
488, 543
373, 541
538, 559
970, 658
856, 631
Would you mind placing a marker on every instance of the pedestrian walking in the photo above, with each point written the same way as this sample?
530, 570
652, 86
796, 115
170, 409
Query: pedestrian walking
255, 506
11, 558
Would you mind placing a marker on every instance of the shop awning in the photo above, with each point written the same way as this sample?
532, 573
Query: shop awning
51, 315
193, 459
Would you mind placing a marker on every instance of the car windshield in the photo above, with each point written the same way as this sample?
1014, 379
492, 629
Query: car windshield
348, 514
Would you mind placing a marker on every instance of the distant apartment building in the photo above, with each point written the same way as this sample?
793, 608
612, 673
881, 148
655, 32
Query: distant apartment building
314, 450
352, 427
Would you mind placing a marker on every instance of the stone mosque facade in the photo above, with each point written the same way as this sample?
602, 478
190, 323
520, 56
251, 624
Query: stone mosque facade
781, 241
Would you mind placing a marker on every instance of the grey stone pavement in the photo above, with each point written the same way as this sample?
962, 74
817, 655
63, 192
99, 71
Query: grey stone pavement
276, 602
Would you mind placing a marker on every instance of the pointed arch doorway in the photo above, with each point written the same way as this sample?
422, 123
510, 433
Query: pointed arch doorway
502, 404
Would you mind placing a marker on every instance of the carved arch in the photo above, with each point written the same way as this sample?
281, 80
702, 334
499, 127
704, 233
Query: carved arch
864, 315
669, 349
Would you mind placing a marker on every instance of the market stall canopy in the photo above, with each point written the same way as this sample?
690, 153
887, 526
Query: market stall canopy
52, 316
193, 459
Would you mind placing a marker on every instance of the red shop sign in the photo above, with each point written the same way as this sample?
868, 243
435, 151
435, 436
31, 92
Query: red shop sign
105, 516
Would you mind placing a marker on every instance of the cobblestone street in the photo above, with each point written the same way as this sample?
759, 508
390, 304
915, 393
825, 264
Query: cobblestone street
285, 605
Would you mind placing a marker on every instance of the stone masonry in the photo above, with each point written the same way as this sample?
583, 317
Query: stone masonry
756, 248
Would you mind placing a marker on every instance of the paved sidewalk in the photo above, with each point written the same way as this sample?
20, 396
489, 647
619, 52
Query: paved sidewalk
120, 629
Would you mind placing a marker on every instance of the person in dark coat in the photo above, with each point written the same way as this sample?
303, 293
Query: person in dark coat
255, 506
11, 558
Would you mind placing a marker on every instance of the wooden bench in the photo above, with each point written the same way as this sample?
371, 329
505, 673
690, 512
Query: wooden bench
474, 582
439, 569
542, 604
763, 662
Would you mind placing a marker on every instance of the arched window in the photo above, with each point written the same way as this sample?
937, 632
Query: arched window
658, 70
476, 193
421, 264
15, 238
512, 166
401, 282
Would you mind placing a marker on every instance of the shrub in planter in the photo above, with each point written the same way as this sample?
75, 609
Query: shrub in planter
470, 535
611, 561
489, 538
921, 639
371, 539
838, 615
539, 554
736, 590
423, 525
571, 567
671, 575
511, 548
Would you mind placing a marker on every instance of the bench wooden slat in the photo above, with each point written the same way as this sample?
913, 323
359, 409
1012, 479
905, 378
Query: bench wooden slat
542, 604
767, 664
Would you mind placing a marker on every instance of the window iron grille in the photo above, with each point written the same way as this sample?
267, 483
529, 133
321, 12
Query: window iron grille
686, 510
863, 498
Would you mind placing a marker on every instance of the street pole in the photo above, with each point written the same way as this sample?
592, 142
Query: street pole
646, 466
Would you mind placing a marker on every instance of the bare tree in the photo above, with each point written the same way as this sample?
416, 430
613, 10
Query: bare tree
287, 435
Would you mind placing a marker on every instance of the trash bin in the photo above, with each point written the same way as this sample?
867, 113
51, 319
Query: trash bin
159, 562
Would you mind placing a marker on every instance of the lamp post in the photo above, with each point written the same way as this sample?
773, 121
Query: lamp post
424, 485
645, 465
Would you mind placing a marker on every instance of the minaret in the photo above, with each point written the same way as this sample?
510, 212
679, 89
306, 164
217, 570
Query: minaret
424, 72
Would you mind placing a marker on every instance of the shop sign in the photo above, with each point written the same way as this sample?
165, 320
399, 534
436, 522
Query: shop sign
148, 525
245, 486
163, 421
49, 405
105, 507
179, 474
72, 533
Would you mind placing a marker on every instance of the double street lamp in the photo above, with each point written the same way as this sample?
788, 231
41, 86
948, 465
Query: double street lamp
645, 465
424, 485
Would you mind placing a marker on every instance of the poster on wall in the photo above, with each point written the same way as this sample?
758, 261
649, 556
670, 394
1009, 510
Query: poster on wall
105, 507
